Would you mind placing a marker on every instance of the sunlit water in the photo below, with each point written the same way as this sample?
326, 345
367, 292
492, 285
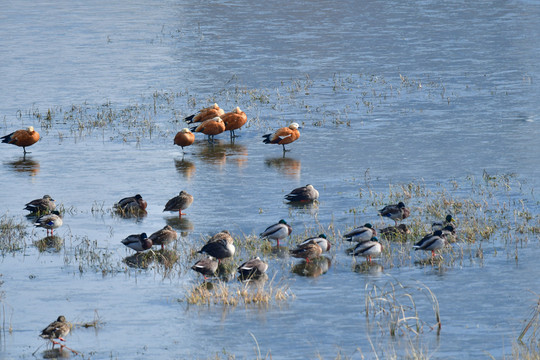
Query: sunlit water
386, 92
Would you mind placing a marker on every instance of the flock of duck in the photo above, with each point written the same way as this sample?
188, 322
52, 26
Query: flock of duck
211, 122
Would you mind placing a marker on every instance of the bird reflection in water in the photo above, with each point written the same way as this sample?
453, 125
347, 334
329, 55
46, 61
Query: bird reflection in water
56, 353
370, 268
182, 224
313, 268
24, 164
49, 243
219, 152
185, 167
140, 260
286, 166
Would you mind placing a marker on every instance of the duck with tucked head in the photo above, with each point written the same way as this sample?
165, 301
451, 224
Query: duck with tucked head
22, 138
211, 127
56, 330
395, 231
283, 136
277, 231
206, 267
396, 212
220, 246
431, 242
164, 236
321, 240
303, 194
252, 268
205, 114
50, 222
184, 138
360, 234
234, 120
368, 248
179, 203
132, 204
43, 205
308, 251
138, 242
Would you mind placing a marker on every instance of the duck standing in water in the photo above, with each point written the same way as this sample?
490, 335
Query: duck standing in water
184, 138
361, 234
234, 120
303, 194
56, 330
132, 204
205, 114
368, 249
283, 136
50, 222
206, 267
252, 268
138, 242
164, 236
179, 203
22, 138
220, 246
395, 212
308, 251
211, 127
277, 231
43, 205
431, 242
320, 240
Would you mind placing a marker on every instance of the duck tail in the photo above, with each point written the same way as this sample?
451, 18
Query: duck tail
267, 138
7, 138
189, 119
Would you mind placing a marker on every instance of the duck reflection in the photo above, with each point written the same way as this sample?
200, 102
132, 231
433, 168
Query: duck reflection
49, 243
185, 167
309, 208
253, 280
365, 267
140, 260
314, 268
133, 214
288, 167
218, 153
184, 225
24, 164
56, 353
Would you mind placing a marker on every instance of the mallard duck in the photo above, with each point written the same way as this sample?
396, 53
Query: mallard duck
431, 242
395, 212
184, 138
212, 127
283, 136
303, 194
132, 204
205, 114
43, 205
49, 222
277, 231
22, 138
206, 267
360, 234
234, 120
439, 225
56, 330
320, 240
138, 242
309, 251
163, 236
394, 231
253, 268
368, 248
449, 230
179, 203
219, 246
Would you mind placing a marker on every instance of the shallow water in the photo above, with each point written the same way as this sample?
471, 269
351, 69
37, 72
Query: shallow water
386, 92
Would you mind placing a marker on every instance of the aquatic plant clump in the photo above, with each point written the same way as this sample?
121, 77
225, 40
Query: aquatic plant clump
12, 234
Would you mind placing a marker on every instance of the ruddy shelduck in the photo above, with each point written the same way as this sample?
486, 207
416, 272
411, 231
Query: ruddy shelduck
212, 127
184, 138
23, 138
205, 114
283, 136
234, 120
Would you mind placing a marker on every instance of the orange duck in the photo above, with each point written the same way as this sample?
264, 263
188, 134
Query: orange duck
184, 138
212, 127
24, 138
234, 120
282, 136
205, 114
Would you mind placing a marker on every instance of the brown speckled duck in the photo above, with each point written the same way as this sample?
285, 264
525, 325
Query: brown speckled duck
43, 205
309, 251
164, 236
303, 194
395, 212
56, 330
179, 203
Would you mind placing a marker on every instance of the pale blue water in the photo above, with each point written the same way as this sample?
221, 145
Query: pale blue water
466, 101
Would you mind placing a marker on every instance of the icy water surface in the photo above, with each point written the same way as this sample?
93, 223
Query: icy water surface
388, 93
